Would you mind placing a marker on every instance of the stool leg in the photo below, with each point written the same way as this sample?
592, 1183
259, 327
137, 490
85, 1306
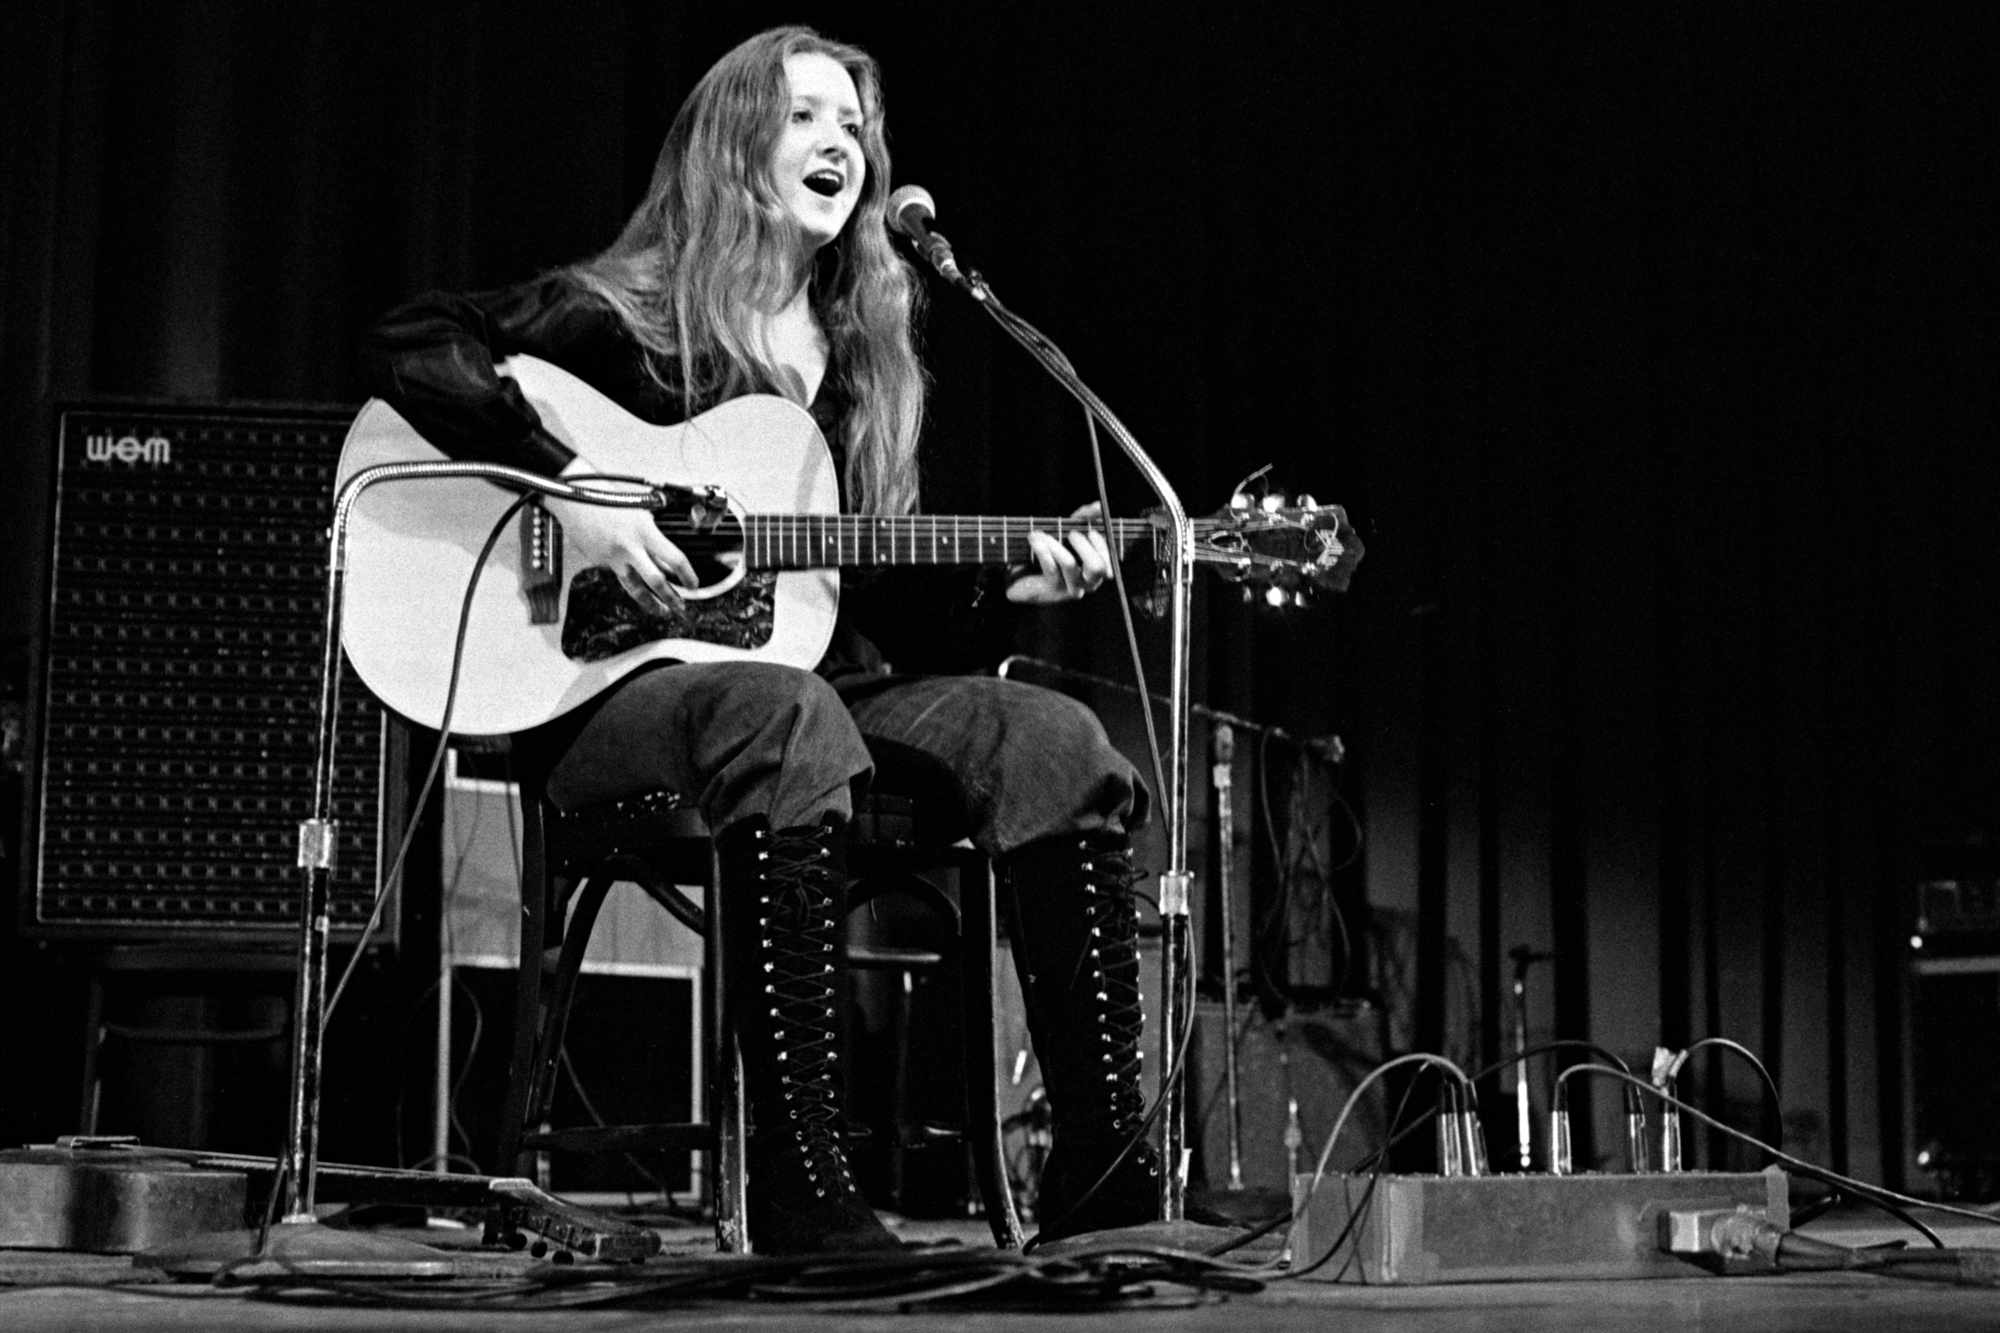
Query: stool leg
728, 1110
980, 927
558, 992
527, 985
899, 1118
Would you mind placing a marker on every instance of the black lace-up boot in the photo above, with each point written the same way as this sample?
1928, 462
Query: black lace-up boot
1076, 946
782, 940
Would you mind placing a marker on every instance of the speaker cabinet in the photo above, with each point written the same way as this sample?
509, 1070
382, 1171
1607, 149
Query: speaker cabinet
1308, 1059
1952, 1006
1954, 1076
180, 678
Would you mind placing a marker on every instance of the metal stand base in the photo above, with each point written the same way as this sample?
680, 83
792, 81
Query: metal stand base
299, 1249
1193, 1237
1248, 1206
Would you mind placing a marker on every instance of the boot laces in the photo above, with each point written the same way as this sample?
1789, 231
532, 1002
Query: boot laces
797, 930
1111, 966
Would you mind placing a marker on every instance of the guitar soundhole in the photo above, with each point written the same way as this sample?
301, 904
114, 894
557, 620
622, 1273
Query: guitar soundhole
604, 622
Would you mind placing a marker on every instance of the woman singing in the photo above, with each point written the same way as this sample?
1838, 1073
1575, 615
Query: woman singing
759, 262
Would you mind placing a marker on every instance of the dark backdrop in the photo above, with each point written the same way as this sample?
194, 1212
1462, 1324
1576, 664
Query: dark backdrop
1651, 347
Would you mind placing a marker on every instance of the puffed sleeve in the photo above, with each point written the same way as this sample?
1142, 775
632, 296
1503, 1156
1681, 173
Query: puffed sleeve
433, 360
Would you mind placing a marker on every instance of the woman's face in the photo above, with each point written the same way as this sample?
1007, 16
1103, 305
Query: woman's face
818, 166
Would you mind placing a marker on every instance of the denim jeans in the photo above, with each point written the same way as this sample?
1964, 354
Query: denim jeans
1009, 763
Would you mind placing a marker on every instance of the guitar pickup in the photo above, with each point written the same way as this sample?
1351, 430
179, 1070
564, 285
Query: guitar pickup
541, 565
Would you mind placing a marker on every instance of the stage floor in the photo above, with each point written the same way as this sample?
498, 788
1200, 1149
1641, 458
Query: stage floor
50, 1290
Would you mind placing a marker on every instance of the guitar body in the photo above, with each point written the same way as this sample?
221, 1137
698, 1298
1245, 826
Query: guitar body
413, 545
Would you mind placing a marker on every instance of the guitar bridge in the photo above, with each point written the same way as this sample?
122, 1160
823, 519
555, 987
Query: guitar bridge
541, 564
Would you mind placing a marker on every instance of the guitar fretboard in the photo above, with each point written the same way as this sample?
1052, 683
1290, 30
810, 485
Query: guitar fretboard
815, 541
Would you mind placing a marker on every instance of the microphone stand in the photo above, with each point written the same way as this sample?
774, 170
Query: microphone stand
1222, 750
298, 1241
1176, 951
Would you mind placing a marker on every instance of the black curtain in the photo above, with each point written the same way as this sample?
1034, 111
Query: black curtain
1652, 350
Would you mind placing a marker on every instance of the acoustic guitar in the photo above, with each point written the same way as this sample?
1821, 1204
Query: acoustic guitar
747, 489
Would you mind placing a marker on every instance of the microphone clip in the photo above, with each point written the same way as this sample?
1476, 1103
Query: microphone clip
936, 251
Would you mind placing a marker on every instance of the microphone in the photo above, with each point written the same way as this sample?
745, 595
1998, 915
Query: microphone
911, 212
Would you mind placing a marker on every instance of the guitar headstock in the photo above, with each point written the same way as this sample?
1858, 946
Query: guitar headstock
1289, 548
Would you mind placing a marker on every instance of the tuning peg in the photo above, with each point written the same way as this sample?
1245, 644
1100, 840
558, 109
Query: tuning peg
1307, 503
1240, 501
1275, 596
1274, 502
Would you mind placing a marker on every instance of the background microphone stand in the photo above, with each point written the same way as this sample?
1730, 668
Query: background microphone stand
1176, 961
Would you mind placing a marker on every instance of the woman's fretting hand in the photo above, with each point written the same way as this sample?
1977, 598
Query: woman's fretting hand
1063, 570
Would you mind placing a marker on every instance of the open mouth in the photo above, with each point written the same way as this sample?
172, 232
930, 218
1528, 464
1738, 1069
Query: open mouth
826, 183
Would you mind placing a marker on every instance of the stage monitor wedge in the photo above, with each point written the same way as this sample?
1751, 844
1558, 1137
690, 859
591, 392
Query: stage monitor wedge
179, 682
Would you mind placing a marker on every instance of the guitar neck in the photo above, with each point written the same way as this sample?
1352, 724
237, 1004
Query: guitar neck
819, 541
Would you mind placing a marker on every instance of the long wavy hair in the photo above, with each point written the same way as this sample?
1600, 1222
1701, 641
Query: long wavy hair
712, 244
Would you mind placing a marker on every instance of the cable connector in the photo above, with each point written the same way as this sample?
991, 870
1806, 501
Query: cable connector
1638, 1137
1562, 1152
1666, 1069
1461, 1139
1473, 1134
1739, 1237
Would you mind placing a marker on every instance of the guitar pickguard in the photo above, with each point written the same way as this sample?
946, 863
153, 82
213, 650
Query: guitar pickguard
603, 621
